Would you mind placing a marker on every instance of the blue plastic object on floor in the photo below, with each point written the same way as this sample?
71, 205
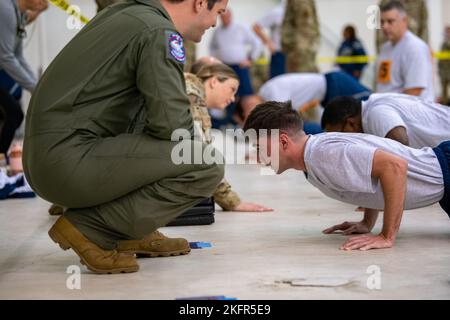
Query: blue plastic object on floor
199, 245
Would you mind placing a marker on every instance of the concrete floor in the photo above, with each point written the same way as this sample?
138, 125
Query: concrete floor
254, 256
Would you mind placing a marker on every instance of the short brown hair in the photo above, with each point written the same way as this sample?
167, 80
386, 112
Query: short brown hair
211, 3
272, 115
393, 5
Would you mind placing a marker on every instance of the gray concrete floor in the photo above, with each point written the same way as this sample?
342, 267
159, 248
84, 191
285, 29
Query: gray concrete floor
254, 256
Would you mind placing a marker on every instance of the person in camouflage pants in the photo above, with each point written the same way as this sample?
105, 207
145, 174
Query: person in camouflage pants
300, 36
207, 89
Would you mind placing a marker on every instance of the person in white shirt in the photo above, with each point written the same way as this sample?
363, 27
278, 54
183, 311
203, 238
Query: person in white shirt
410, 120
237, 46
305, 91
359, 169
273, 21
405, 62
310, 89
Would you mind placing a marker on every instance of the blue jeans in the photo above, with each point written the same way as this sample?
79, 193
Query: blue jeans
277, 64
443, 155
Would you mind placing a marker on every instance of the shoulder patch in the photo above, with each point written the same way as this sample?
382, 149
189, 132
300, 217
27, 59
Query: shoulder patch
175, 47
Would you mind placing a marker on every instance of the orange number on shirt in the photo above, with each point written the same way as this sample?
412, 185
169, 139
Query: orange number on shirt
384, 74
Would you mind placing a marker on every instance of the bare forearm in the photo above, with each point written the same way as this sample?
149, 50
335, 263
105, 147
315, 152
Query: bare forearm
264, 37
393, 183
260, 33
370, 217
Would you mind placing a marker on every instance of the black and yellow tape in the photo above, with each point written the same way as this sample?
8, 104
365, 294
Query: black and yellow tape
445, 55
67, 7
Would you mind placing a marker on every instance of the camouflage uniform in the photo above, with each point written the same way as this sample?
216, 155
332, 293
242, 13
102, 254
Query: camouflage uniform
191, 55
444, 73
102, 4
259, 73
300, 36
224, 196
417, 20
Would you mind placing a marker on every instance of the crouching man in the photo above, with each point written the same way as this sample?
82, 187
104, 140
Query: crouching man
359, 169
81, 150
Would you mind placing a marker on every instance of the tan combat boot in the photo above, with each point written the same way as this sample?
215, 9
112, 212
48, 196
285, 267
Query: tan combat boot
155, 245
96, 259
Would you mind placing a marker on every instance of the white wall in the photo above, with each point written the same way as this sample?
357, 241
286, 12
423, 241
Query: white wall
50, 33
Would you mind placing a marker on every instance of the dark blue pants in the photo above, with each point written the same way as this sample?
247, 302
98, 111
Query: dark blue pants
245, 88
340, 84
443, 155
8, 84
277, 64
312, 128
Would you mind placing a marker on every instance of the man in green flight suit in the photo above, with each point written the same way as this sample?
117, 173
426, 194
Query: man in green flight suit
80, 149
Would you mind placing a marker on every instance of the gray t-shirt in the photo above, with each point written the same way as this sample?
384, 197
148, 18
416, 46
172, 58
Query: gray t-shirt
340, 165
427, 123
11, 45
406, 65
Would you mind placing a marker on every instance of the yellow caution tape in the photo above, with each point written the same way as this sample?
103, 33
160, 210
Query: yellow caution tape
262, 61
445, 55
67, 7
346, 60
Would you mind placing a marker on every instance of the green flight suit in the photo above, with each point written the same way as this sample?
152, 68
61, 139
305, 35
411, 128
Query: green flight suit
80, 149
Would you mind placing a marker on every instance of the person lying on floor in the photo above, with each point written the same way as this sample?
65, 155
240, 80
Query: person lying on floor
407, 119
358, 169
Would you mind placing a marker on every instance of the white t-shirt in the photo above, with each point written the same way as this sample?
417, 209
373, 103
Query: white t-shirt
427, 123
340, 165
235, 43
406, 65
301, 88
273, 21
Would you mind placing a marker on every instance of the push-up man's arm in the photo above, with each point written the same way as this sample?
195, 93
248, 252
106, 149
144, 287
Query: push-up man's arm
399, 134
392, 173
